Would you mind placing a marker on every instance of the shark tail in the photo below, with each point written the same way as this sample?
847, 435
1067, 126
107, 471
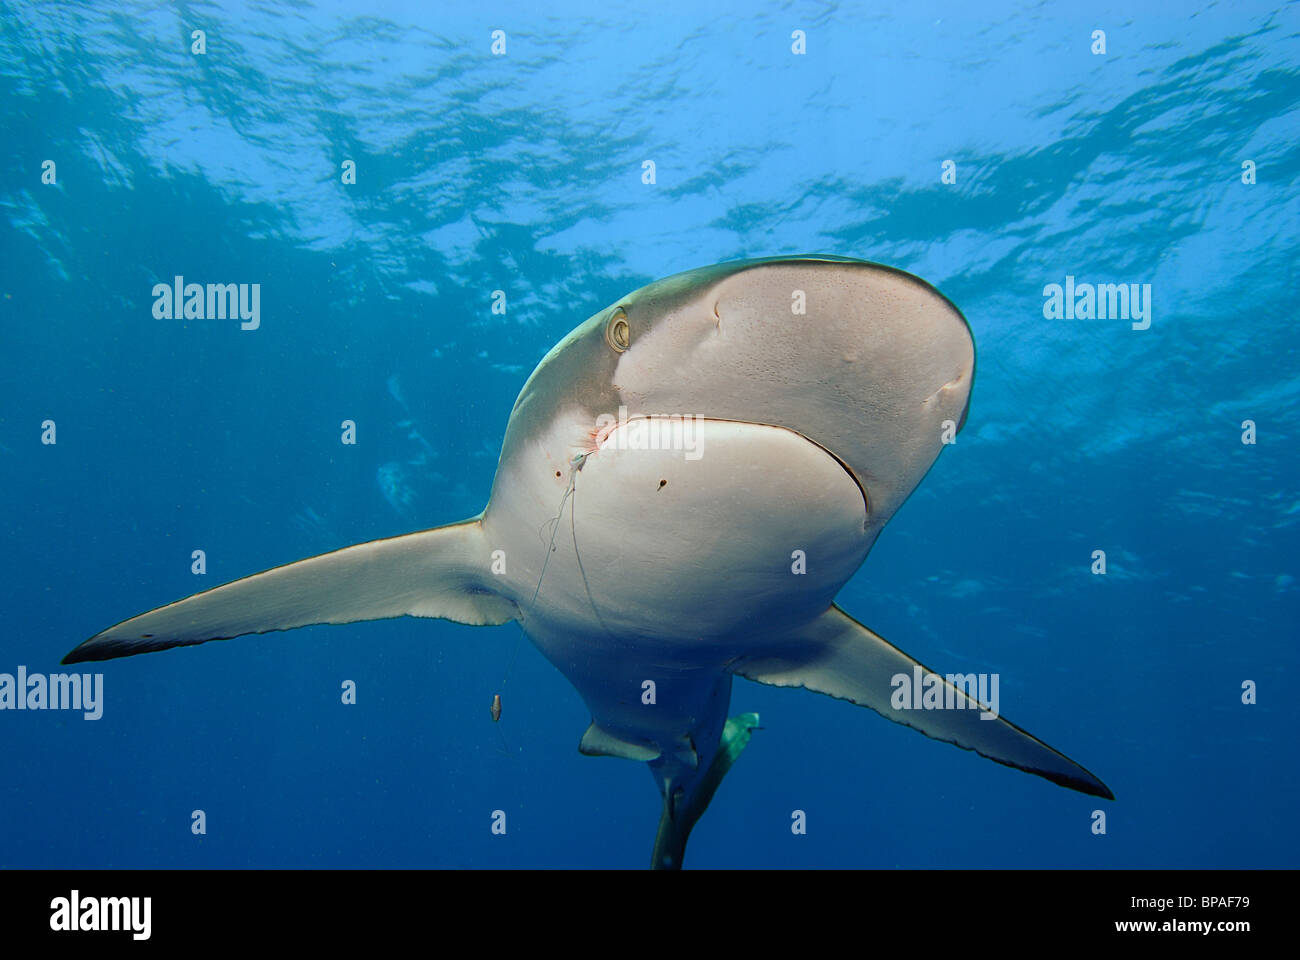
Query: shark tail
681, 812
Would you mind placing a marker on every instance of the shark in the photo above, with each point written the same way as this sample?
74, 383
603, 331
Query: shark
686, 482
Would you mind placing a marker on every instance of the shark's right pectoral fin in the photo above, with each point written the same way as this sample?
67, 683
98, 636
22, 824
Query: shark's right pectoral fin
442, 572
840, 657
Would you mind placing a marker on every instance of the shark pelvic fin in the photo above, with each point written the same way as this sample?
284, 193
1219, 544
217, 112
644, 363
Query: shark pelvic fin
444, 572
597, 742
680, 812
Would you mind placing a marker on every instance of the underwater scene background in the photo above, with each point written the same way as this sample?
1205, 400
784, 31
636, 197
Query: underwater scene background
1167, 157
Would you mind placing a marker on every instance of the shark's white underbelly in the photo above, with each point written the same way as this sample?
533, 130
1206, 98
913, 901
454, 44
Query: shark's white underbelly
664, 564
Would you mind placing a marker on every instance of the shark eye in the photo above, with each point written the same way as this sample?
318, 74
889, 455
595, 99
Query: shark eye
617, 331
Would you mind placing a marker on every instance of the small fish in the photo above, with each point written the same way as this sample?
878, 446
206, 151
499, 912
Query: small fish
496, 707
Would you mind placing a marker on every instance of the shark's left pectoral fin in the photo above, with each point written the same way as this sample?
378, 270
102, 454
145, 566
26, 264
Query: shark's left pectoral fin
442, 572
840, 657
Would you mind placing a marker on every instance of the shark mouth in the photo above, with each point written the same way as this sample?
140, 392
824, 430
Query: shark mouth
683, 432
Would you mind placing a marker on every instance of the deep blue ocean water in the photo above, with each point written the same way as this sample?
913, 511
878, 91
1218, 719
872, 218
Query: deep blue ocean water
522, 172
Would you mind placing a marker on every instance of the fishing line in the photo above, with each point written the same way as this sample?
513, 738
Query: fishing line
504, 747
581, 569
496, 718
575, 465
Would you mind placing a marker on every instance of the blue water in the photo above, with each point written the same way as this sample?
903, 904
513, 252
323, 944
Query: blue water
523, 173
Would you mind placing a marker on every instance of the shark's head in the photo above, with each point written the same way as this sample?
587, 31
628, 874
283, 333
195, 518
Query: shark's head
869, 362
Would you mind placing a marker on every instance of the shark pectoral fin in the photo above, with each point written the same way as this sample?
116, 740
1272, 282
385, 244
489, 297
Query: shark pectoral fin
840, 657
442, 572
597, 742
681, 813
